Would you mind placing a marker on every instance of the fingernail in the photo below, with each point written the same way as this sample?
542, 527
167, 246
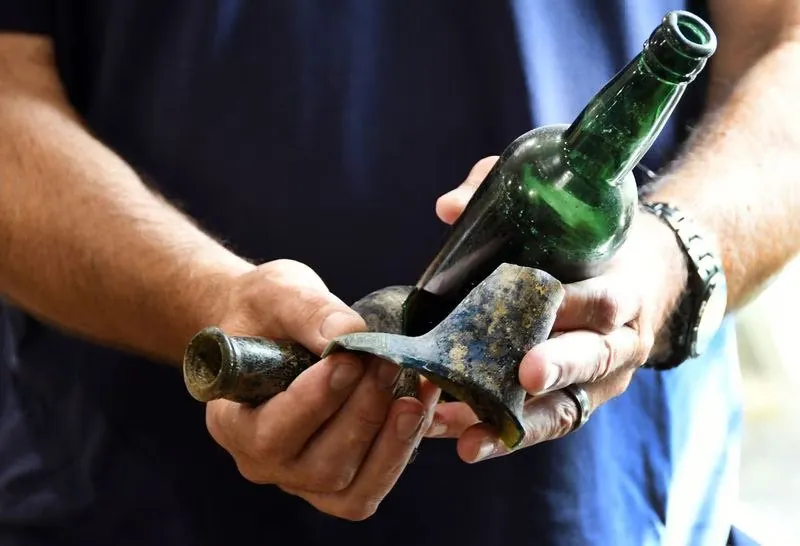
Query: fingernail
388, 374
337, 323
552, 375
487, 448
408, 425
345, 374
438, 429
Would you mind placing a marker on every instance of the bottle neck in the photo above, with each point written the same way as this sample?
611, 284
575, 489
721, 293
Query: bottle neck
618, 126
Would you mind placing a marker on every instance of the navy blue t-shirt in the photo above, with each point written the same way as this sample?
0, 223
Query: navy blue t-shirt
304, 129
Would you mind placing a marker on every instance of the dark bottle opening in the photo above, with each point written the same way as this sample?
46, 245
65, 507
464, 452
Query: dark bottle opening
207, 368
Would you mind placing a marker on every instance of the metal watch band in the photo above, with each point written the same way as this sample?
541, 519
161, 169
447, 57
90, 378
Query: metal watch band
702, 264
701, 253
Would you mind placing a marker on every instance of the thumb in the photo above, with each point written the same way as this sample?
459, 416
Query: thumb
287, 300
450, 205
314, 317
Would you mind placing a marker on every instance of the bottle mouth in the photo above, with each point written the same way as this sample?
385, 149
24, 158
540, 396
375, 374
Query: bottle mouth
690, 35
206, 364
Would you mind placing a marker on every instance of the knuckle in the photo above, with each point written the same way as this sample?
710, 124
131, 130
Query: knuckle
213, 425
252, 473
604, 310
646, 342
359, 510
262, 446
292, 272
606, 357
306, 401
251, 468
333, 481
283, 265
641, 359
220, 424
329, 478
558, 420
564, 416
368, 421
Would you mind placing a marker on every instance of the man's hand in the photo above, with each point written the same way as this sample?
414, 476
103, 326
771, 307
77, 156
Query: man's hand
605, 329
335, 437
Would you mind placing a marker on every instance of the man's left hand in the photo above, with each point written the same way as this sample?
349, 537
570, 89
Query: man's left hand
604, 331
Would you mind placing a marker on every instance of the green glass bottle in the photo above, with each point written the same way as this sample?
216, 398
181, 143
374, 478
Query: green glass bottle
561, 198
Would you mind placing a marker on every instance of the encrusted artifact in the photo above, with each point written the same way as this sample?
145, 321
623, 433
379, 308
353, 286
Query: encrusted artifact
473, 354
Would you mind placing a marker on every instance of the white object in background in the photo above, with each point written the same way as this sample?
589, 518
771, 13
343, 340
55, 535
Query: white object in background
768, 330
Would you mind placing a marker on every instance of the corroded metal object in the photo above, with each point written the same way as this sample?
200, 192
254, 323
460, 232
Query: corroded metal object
252, 370
474, 353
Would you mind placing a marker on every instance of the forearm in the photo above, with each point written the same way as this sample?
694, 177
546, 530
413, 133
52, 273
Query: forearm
738, 175
86, 245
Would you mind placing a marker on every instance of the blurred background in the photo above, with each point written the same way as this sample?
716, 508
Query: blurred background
770, 357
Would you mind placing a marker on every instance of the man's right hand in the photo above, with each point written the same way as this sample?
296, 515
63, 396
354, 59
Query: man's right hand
335, 437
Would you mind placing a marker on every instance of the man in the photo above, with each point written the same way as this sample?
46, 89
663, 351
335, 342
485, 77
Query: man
165, 166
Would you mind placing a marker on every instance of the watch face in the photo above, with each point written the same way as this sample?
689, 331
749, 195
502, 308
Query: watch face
712, 315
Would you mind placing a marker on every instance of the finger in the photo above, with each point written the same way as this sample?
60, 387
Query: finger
294, 272
290, 301
450, 420
385, 463
450, 205
547, 417
332, 458
277, 430
313, 318
429, 394
578, 357
596, 304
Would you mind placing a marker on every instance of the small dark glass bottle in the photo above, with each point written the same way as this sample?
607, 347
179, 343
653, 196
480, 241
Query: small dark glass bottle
562, 198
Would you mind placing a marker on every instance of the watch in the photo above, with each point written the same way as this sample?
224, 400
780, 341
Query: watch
701, 308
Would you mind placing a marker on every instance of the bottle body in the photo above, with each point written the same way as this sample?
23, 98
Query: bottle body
562, 198
532, 210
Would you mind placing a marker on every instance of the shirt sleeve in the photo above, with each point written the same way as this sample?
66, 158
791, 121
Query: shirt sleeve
29, 16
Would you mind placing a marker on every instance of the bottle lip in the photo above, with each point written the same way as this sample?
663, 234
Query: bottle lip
208, 376
690, 35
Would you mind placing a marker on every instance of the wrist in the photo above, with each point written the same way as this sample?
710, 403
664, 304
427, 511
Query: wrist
663, 267
672, 270
692, 315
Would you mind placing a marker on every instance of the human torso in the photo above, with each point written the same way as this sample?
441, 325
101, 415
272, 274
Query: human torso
324, 131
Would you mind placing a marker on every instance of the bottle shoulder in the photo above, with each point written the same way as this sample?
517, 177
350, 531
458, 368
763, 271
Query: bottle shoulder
563, 214
539, 157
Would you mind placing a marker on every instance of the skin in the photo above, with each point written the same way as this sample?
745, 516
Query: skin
735, 179
335, 437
